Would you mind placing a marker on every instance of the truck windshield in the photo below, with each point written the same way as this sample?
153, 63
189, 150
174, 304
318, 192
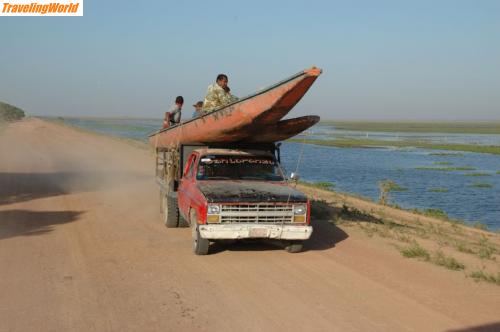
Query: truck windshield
215, 167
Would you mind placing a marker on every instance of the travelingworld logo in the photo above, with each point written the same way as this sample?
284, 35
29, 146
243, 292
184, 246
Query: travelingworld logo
41, 8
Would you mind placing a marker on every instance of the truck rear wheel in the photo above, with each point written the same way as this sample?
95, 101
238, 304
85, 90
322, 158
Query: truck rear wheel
294, 246
170, 211
200, 245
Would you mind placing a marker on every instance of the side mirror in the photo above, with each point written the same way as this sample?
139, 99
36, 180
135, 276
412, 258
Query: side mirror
294, 176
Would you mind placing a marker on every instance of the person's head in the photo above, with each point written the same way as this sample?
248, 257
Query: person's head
179, 100
198, 105
222, 80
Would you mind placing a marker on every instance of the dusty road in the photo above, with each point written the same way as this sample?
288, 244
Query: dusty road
82, 248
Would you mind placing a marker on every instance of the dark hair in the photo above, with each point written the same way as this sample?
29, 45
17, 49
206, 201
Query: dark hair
221, 76
179, 100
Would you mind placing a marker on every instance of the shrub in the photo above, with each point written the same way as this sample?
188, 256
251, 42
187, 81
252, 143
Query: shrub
385, 187
10, 113
416, 251
447, 261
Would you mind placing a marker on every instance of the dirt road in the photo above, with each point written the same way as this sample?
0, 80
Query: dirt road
82, 248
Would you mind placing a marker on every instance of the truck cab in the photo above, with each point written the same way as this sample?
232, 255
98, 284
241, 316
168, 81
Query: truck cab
236, 193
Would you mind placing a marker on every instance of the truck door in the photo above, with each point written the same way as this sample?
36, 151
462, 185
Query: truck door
186, 187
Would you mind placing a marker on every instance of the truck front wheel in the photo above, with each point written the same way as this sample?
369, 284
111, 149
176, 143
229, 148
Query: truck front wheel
294, 246
200, 245
170, 211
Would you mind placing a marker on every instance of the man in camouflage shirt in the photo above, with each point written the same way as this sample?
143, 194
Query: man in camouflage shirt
218, 95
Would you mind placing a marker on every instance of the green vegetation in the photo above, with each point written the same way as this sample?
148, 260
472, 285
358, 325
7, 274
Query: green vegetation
439, 258
366, 143
324, 185
436, 213
442, 163
477, 174
446, 154
498, 172
463, 247
438, 190
481, 185
418, 127
480, 225
10, 113
385, 187
485, 276
416, 251
445, 169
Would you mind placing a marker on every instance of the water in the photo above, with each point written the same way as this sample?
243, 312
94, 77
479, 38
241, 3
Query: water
328, 132
359, 171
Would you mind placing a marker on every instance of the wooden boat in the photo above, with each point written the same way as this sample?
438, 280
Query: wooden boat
255, 118
283, 129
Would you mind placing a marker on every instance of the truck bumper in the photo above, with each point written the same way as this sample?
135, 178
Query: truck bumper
249, 231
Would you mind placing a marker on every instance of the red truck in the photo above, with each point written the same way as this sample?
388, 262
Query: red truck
230, 193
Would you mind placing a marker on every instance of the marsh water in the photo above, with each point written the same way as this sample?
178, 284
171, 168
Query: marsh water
429, 177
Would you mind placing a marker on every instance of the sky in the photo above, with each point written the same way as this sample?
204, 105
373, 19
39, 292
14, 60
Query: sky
381, 60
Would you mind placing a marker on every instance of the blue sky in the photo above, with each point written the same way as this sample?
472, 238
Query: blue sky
382, 60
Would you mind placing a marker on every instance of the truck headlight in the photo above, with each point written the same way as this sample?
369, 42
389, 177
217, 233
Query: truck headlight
213, 209
213, 212
299, 209
299, 213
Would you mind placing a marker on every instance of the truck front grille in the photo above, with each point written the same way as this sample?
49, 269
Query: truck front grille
257, 213
257, 207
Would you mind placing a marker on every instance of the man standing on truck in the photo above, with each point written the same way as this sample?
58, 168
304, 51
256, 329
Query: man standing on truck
218, 94
175, 111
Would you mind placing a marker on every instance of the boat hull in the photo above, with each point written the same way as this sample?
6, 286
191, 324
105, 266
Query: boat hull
283, 130
239, 121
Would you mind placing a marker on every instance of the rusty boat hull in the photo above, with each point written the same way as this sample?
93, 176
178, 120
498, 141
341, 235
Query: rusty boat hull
255, 118
283, 129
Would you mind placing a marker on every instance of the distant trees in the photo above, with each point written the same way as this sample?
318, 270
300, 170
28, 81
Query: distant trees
10, 113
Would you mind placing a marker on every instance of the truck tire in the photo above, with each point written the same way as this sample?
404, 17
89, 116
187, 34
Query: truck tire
183, 222
200, 245
294, 246
170, 211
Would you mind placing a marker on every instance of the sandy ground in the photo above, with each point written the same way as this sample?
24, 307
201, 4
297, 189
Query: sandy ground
82, 248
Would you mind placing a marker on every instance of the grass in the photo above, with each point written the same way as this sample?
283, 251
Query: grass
442, 163
416, 251
446, 154
440, 259
324, 185
437, 257
437, 213
446, 169
478, 174
486, 249
498, 172
365, 143
438, 190
3, 125
480, 225
481, 185
419, 127
481, 275
463, 247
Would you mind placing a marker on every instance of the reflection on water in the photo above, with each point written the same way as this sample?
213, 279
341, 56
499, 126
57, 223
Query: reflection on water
357, 170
